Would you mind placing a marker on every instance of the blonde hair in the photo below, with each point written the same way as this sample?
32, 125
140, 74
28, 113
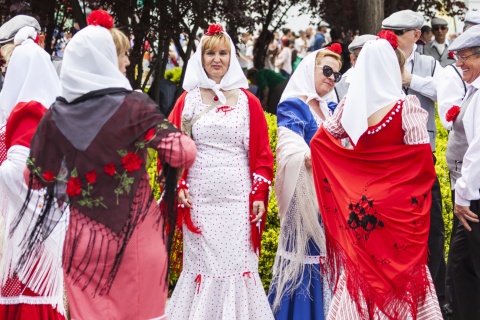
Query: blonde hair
211, 42
7, 51
122, 44
401, 58
327, 53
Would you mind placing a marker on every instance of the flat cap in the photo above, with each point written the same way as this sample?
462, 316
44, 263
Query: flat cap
468, 39
439, 22
10, 28
324, 24
472, 17
405, 19
359, 41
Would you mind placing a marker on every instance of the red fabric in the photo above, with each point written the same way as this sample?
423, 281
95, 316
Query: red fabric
22, 123
261, 156
375, 205
390, 134
3, 147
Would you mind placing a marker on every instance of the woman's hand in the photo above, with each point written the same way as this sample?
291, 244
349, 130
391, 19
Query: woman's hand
258, 210
308, 161
184, 198
463, 214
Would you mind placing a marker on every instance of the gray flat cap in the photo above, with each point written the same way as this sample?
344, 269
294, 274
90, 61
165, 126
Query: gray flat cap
405, 19
472, 17
439, 22
10, 28
324, 24
468, 39
359, 41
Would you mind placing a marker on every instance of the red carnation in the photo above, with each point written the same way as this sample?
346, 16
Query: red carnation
452, 113
100, 18
150, 134
131, 162
214, 29
390, 37
74, 187
48, 176
91, 177
109, 169
335, 47
451, 55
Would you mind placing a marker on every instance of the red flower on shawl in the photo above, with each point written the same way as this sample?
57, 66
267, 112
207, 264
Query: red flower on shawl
91, 177
452, 113
214, 29
390, 37
451, 55
48, 176
150, 134
131, 162
335, 47
100, 18
109, 169
74, 187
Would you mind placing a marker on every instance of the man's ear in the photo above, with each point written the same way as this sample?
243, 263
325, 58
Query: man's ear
418, 33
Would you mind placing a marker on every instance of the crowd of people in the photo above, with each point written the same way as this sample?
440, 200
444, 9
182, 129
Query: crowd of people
361, 228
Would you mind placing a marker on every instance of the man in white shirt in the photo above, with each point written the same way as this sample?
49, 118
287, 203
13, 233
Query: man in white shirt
438, 47
419, 78
463, 158
301, 44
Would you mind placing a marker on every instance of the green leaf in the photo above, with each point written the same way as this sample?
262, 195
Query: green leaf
74, 173
122, 153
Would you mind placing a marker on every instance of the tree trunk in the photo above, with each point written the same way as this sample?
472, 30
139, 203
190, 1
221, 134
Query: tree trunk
370, 15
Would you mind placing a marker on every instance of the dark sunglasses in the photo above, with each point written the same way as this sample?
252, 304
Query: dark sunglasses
436, 28
328, 71
400, 32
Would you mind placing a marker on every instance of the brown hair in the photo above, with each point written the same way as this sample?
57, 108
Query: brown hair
327, 53
122, 44
211, 42
401, 58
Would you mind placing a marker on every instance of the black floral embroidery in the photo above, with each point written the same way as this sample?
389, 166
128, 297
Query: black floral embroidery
363, 218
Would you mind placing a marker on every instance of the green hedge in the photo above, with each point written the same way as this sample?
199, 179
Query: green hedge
270, 236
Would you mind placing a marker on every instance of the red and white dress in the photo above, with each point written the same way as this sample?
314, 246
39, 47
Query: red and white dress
220, 277
377, 224
36, 292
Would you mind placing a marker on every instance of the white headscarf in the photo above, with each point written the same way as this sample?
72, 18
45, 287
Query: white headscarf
90, 63
195, 74
302, 83
376, 82
30, 75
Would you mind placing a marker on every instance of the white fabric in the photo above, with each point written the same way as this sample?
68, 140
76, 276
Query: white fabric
90, 63
376, 83
302, 83
195, 74
43, 272
229, 286
30, 76
284, 60
23, 34
440, 46
426, 86
450, 92
468, 185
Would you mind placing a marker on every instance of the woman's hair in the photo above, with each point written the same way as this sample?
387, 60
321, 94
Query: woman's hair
327, 53
211, 42
121, 41
7, 51
401, 58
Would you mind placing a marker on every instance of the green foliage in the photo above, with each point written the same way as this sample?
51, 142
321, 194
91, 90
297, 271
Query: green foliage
174, 74
443, 176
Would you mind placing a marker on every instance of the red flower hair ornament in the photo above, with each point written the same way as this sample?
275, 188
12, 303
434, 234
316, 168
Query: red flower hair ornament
390, 37
100, 18
214, 29
335, 47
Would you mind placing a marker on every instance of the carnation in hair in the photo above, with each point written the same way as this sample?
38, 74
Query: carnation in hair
335, 47
214, 29
390, 37
100, 18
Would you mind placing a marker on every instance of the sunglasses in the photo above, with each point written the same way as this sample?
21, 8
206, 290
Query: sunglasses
328, 71
436, 28
400, 32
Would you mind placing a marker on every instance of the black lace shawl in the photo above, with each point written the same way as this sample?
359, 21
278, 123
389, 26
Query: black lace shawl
91, 157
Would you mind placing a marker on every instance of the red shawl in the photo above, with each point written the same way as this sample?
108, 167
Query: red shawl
375, 204
260, 155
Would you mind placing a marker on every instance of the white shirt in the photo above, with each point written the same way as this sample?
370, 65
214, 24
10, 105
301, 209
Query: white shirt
440, 46
285, 60
301, 47
450, 92
249, 53
468, 185
426, 86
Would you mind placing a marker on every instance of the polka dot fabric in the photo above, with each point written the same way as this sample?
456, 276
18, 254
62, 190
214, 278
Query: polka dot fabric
220, 270
3, 147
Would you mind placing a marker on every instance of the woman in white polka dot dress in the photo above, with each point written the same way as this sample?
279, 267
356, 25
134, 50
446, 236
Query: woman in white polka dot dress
224, 194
